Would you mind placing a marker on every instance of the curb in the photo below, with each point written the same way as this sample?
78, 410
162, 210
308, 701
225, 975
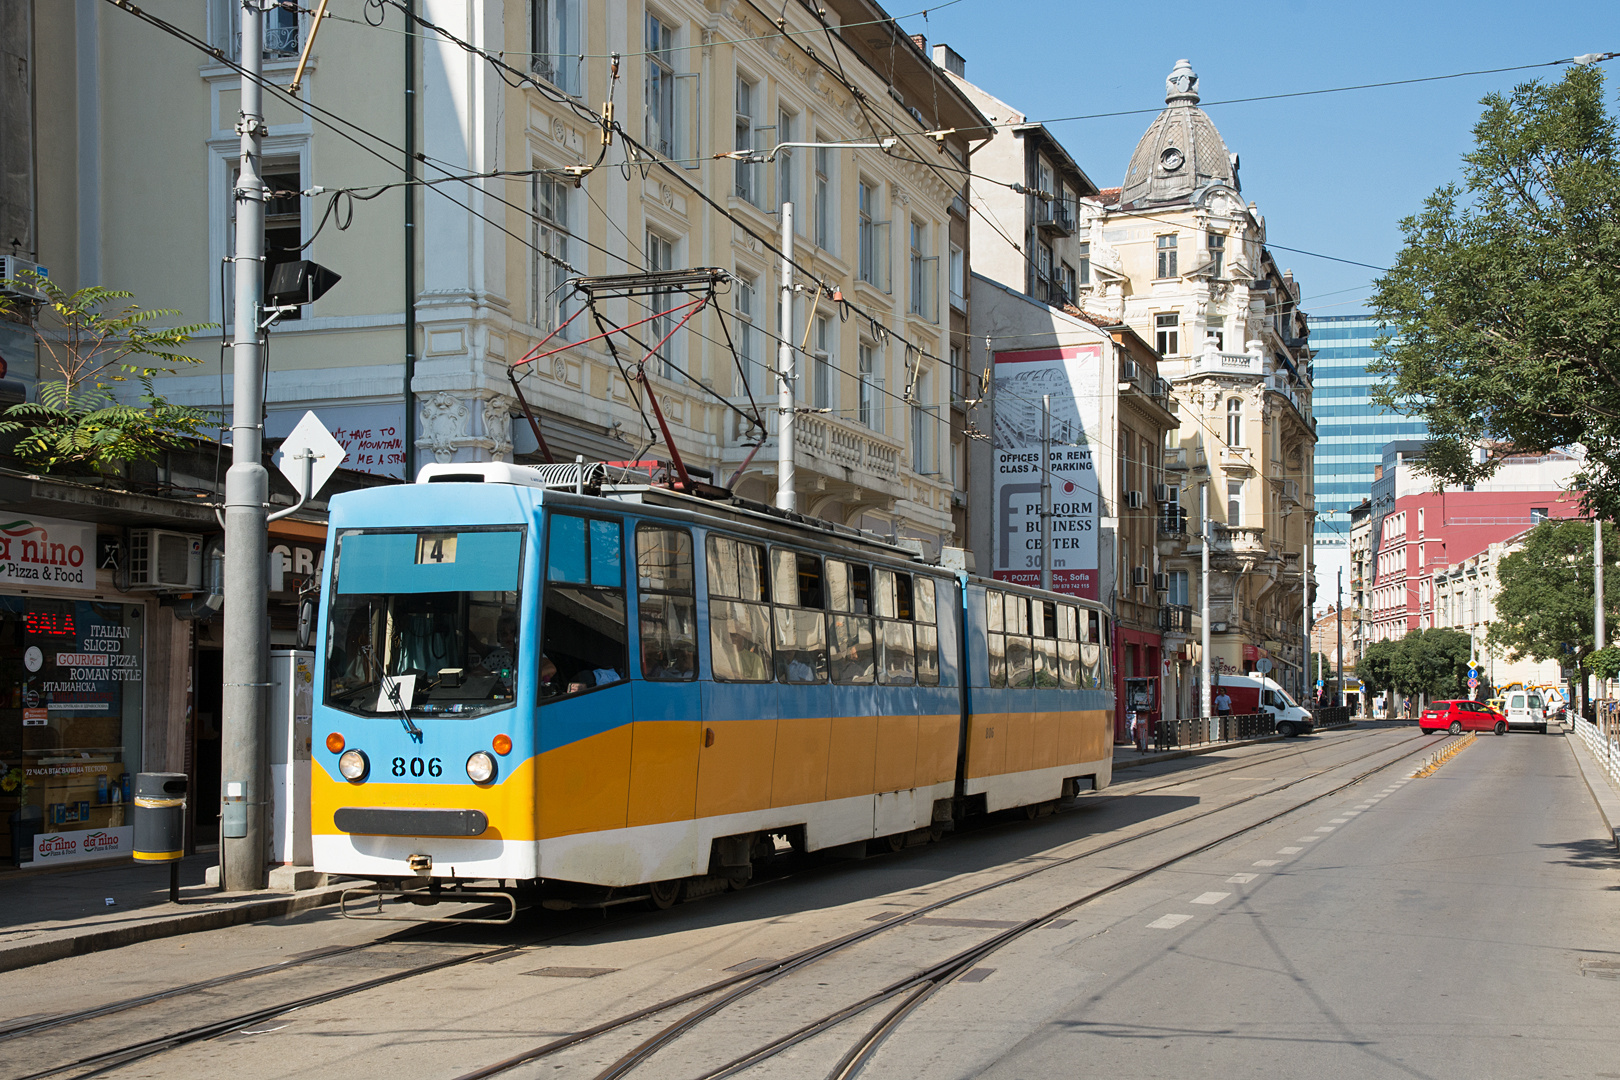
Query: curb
33, 953
1207, 748
1597, 785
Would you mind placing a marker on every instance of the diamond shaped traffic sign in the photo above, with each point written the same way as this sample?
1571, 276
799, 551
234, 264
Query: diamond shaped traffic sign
309, 438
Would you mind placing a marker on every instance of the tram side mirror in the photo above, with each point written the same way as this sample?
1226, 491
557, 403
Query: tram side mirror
306, 622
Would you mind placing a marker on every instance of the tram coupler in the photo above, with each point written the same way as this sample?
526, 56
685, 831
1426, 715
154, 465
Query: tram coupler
429, 897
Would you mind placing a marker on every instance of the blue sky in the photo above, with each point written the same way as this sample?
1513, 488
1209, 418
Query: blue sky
1333, 173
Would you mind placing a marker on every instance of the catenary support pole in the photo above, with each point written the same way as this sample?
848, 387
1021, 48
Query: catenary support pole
1204, 688
787, 494
243, 852
1046, 491
1598, 635
1338, 619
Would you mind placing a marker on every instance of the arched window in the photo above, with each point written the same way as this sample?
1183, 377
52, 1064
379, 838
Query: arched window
1234, 422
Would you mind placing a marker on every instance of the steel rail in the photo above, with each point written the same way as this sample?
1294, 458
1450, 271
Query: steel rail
746, 983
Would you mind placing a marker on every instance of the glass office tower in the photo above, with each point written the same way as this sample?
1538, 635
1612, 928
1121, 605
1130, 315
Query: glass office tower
1351, 433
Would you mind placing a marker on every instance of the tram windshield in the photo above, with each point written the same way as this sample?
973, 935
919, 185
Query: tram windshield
424, 623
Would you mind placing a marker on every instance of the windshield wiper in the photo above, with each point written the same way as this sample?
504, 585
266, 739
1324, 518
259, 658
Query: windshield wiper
391, 692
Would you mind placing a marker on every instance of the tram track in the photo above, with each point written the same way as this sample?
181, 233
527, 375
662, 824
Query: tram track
736, 988
743, 984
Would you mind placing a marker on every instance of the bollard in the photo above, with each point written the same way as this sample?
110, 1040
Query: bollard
160, 822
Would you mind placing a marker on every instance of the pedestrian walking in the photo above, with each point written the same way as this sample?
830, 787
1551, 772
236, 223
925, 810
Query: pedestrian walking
1223, 703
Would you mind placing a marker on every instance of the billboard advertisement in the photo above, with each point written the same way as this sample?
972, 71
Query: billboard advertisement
1072, 376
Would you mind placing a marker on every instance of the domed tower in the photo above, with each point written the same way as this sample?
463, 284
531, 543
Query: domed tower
1181, 153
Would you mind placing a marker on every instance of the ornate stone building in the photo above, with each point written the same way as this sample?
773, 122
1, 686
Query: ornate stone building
1178, 255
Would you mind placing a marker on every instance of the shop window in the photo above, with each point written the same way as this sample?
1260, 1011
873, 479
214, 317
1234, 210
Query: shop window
71, 727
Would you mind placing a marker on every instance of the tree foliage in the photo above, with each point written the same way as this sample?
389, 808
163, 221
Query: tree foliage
1432, 662
1545, 591
1504, 304
88, 347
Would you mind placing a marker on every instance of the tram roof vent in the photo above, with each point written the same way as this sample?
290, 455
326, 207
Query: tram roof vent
568, 475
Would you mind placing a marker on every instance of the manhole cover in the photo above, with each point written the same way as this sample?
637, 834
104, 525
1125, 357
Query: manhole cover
1601, 969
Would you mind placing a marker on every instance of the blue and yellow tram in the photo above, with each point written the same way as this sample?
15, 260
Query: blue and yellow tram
632, 686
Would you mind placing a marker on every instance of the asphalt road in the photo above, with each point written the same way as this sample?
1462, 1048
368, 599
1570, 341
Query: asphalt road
1441, 931
1407, 928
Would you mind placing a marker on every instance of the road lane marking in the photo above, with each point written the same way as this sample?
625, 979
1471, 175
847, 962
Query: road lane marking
1306, 839
1210, 897
1241, 879
1327, 828
1267, 862
1340, 820
1168, 922
1289, 850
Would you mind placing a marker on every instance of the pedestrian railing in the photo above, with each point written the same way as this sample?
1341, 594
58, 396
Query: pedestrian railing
1205, 730
1328, 715
1603, 737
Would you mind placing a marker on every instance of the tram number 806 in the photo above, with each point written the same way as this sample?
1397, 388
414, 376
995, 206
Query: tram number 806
433, 766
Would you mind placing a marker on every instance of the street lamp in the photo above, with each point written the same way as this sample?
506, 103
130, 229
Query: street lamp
787, 494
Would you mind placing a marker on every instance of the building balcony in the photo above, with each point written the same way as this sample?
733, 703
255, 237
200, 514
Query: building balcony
1055, 217
1175, 619
831, 454
1242, 541
1173, 521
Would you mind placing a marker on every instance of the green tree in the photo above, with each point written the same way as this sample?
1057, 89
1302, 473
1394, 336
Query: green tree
88, 346
1427, 663
1504, 304
1545, 591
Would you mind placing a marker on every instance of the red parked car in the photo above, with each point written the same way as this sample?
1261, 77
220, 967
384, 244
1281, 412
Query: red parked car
1460, 716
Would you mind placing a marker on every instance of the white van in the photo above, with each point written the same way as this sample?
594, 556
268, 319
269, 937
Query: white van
1525, 709
1256, 693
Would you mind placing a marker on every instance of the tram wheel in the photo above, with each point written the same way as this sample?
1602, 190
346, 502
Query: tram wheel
663, 895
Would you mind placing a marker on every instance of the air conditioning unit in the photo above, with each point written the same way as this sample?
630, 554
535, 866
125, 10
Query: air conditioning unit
160, 559
1139, 575
1133, 500
1164, 494
12, 269
1161, 582
1127, 371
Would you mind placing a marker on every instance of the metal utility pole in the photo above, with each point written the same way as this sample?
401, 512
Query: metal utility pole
244, 770
1597, 591
787, 493
1046, 491
1305, 612
1338, 619
1203, 660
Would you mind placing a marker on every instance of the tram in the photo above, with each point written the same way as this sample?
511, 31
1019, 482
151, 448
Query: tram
532, 674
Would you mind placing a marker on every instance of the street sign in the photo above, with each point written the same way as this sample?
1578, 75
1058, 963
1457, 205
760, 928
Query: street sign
1319, 684
1473, 684
309, 437
1263, 665
1473, 672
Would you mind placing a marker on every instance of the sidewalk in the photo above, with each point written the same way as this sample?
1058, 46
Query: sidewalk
1127, 756
1597, 782
46, 915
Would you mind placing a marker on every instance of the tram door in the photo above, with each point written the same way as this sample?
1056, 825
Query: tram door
666, 700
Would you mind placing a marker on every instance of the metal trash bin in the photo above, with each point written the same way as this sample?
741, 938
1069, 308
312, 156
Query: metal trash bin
160, 822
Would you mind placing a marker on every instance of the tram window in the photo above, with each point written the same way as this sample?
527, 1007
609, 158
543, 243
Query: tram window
739, 629
1020, 661
584, 622
1068, 649
996, 638
565, 551
927, 633
1090, 665
668, 607
1048, 626
796, 579
1047, 673
801, 625
851, 649
899, 642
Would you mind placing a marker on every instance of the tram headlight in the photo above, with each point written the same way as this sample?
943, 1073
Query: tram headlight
481, 768
353, 766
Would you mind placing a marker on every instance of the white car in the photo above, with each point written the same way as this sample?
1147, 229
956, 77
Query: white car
1525, 709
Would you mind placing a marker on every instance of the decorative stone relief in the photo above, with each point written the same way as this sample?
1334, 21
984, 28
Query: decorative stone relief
498, 428
444, 423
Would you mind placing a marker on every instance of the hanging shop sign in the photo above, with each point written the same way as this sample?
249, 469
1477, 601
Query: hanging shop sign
1071, 375
46, 553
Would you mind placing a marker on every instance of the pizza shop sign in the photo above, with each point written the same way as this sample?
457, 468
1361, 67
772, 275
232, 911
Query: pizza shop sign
47, 553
